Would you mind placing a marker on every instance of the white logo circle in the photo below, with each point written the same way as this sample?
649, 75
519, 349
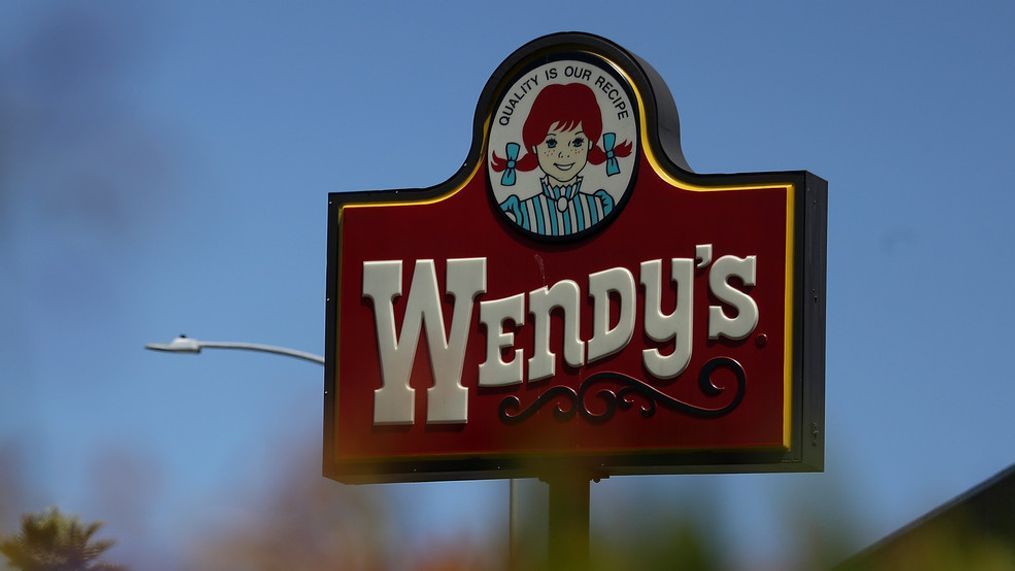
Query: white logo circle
563, 148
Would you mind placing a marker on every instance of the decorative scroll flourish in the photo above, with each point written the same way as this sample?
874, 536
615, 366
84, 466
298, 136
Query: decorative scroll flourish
568, 401
564, 410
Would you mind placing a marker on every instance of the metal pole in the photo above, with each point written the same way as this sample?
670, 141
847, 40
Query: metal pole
514, 521
568, 545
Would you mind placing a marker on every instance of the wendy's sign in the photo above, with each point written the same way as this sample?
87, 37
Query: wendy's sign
575, 293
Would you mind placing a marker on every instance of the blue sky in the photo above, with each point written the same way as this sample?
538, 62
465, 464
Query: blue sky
164, 169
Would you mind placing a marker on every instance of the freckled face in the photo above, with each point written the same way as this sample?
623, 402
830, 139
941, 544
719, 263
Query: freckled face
563, 154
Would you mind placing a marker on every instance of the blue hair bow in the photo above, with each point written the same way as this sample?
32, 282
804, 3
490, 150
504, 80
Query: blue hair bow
508, 178
612, 165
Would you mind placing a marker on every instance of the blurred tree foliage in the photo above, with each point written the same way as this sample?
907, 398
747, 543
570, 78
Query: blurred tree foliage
682, 544
52, 541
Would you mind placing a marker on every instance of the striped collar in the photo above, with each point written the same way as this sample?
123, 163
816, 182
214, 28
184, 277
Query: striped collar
568, 191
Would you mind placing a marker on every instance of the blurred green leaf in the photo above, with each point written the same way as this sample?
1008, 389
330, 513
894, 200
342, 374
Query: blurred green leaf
52, 541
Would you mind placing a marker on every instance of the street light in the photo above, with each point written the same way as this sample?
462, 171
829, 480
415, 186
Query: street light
184, 344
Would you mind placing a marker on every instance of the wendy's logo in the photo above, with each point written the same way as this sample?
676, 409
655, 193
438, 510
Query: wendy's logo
575, 296
563, 147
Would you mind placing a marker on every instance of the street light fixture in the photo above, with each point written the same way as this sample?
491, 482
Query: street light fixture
184, 344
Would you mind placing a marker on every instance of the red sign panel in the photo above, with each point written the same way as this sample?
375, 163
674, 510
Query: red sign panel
575, 293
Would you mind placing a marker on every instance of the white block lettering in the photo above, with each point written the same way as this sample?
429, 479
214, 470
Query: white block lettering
660, 327
746, 320
447, 400
565, 295
494, 372
607, 341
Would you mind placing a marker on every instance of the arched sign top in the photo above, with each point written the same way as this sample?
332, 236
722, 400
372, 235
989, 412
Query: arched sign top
628, 78
583, 295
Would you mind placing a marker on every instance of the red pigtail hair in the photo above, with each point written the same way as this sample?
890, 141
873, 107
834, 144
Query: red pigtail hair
525, 164
597, 156
564, 106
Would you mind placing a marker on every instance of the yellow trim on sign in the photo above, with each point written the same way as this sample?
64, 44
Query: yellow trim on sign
787, 393
787, 375
341, 265
660, 170
435, 199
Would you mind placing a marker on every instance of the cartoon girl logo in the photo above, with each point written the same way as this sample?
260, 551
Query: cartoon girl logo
572, 168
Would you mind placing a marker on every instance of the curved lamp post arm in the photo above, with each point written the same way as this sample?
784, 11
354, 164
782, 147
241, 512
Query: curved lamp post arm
184, 344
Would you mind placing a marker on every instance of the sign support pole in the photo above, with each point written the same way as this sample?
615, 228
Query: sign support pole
568, 544
514, 527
